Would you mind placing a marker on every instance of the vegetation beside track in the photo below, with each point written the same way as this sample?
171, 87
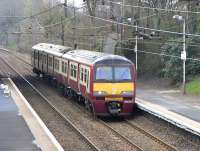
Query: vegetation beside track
193, 87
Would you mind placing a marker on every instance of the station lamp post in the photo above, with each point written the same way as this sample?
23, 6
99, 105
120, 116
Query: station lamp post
136, 42
183, 53
136, 47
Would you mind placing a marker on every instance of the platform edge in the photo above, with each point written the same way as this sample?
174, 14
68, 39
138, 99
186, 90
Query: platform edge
41, 123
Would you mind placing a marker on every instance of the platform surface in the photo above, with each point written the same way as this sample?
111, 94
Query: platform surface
187, 108
14, 133
179, 109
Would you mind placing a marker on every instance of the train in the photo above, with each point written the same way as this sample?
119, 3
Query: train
105, 83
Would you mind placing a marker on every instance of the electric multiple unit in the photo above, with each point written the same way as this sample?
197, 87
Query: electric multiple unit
104, 82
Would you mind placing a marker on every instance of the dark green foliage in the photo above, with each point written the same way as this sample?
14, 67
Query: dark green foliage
173, 66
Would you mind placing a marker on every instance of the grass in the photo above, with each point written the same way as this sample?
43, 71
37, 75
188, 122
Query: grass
193, 87
12, 46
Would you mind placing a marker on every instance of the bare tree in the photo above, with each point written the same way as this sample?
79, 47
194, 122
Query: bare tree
164, 4
91, 5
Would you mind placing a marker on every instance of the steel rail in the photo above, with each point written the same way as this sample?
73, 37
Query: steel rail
86, 139
18, 57
120, 135
157, 140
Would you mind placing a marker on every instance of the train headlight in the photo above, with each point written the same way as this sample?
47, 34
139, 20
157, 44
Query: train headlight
127, 93
100, 93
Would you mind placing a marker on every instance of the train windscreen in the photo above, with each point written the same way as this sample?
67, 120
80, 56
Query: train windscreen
113, 74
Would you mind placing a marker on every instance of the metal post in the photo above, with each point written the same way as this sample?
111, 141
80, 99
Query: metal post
123, 3
184, 59
183, 53
136, 47
121, 21
63, 32
74, 29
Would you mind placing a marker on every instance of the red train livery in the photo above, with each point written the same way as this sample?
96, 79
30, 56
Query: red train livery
104, 82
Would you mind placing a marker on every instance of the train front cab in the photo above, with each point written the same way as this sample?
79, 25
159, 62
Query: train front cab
114, 88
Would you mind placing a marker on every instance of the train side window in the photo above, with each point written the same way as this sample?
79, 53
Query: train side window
50, 60
32, 54
81, 75
64, 67
56, 64
36, 55
73, 71
87, 83
85, 75
45, 59
40, 57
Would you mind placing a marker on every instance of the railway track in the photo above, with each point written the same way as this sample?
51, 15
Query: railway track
42, 97
120, 135
84, 113
128, 140
159, 141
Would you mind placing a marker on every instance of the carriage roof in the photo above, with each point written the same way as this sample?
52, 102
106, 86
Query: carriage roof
92, 57
57, 50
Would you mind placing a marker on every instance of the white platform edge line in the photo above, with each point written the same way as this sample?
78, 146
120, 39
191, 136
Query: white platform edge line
47, 131
168, 118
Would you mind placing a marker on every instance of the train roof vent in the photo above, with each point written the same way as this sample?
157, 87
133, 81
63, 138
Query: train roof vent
63, 50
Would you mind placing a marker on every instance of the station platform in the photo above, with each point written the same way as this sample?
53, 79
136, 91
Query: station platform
14, 132
21, 129
172, 106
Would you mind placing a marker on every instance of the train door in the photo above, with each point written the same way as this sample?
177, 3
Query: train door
88, 80
33, 58
44, 63
47, 63
50, 64
53, 65
36, 59
40, 61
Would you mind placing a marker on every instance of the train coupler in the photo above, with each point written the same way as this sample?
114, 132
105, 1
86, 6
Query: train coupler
114, 108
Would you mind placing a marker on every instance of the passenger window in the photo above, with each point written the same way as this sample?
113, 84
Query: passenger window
40, 57
45, 59
36, 55
81, 74
85, 75
87, 83
50, 62
64, 67
56, 64
73, 71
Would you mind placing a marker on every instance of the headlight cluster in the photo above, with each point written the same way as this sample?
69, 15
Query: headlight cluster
127, 93
100, 93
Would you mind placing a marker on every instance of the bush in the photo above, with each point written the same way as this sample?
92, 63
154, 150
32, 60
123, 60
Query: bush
173, 65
